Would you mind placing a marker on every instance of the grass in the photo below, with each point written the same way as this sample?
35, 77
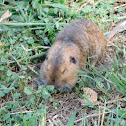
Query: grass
26, 36
111, 78
114, 76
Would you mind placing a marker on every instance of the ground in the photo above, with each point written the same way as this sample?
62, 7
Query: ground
69, 101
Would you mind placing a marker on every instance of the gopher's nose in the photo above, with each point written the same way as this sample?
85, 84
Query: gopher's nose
53, 80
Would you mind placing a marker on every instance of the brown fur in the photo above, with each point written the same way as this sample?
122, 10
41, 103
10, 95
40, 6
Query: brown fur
77, 42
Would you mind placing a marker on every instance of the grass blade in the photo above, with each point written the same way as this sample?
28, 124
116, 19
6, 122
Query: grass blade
71, 121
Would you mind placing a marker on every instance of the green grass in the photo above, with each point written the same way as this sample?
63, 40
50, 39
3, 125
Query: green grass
30, 31
115, 76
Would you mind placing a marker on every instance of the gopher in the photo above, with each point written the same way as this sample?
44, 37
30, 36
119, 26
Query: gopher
76, 43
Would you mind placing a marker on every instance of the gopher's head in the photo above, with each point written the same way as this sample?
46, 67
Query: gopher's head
60, 65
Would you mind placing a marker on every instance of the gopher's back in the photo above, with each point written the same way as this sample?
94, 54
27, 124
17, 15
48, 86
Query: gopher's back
87, 36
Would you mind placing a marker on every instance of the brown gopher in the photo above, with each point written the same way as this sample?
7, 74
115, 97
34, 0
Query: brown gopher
77, 42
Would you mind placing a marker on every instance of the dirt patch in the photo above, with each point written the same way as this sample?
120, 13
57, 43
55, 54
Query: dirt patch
68, 103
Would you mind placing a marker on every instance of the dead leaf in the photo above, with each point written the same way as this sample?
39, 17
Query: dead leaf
91, 94
5, 15
1, 44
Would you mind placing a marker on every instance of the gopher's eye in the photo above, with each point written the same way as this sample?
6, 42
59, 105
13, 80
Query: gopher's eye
72, 60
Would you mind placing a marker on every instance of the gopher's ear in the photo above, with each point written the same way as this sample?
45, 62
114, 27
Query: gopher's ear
72, 60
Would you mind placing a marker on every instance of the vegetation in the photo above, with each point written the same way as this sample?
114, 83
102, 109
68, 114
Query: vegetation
30, 30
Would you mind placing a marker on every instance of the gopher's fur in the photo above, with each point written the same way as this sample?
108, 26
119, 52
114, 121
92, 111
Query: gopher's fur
77, 42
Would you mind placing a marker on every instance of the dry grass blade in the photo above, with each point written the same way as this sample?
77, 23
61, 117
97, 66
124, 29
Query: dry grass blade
91, 115
26, 111
103, 114
119, 28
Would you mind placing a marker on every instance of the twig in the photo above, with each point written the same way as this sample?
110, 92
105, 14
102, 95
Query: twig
119, 28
